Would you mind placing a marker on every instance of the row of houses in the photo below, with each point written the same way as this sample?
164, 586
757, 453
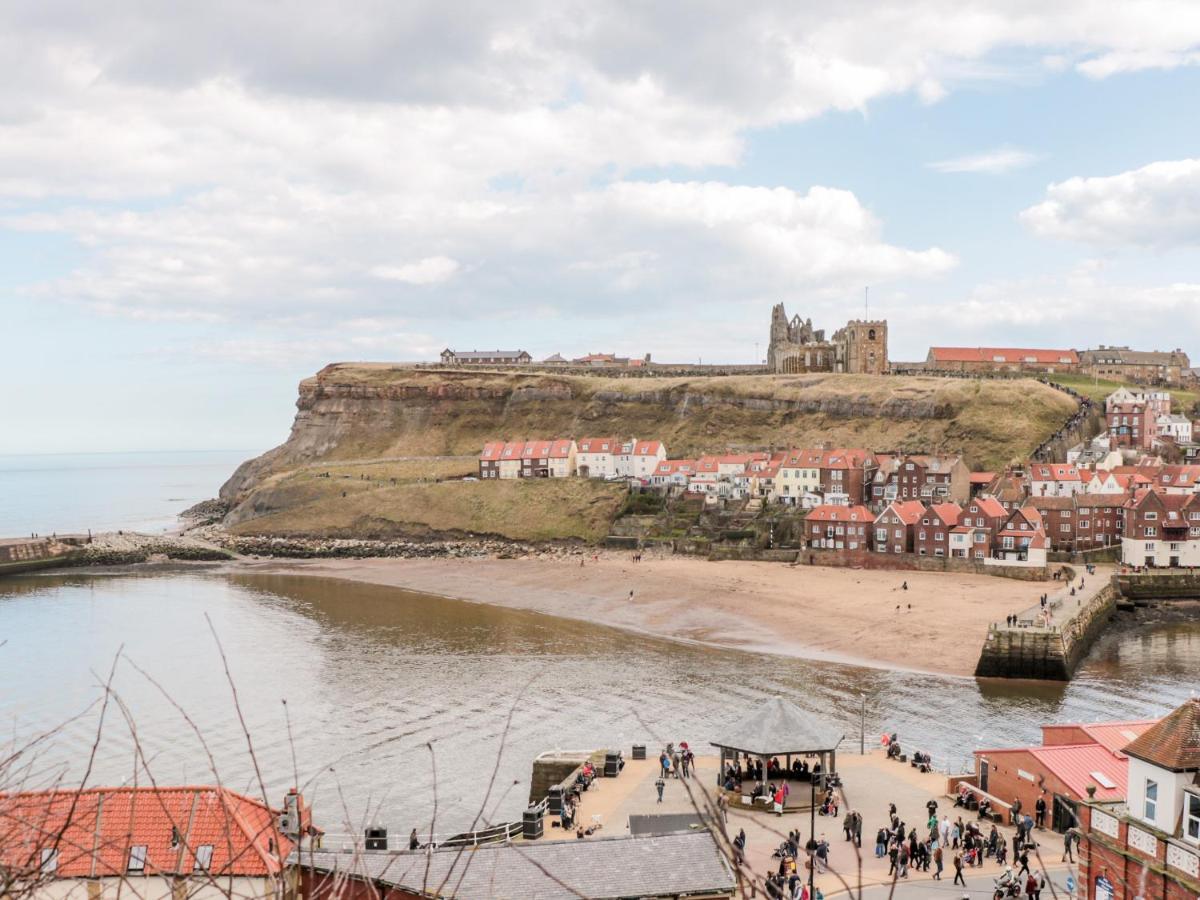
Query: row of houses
979, 530
610, 457
1170, 367
524, 358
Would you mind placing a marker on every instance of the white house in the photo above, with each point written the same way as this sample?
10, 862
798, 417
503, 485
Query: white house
799, 474
596, 457
1057, 479
639, 459
673, 473
1163, 764
1176, 427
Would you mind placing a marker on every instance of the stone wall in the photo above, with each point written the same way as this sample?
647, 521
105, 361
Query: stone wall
1050, 654
865, 559
1179, 584
28, 556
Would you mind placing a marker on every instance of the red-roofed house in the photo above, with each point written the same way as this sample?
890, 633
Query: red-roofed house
673, 473
639, 459
1022, 539
925, 477
548, 459
1131, 425
1057, 479
895, 527
933, 531
596, 457
150, 840
829, 527
1161, 529
1001, 359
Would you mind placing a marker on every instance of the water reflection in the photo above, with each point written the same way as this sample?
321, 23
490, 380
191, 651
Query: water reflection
373, 675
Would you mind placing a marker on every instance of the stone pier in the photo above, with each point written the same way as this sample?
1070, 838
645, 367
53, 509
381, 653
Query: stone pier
1049, 644
30, 554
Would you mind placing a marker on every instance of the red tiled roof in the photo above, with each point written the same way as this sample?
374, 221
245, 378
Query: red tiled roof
1115, 735
909, 511
949, 513
1003, 354
1174, 743
983, 478
646, 448
99, 826
599, 445
828, 512
1054, 472
989, 506
672, 466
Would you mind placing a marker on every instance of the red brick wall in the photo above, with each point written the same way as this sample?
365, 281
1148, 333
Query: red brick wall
1102, 855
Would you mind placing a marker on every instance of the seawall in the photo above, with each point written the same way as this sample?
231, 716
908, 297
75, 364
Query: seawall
1173, 584
28, 555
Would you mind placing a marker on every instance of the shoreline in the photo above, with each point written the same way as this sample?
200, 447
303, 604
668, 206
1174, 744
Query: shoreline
841, 616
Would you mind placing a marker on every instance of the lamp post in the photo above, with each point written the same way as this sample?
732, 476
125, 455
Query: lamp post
812, 831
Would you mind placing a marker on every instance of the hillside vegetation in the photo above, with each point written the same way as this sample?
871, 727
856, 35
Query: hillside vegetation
383, 433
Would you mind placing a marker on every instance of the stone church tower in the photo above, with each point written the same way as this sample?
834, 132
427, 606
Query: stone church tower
864, 344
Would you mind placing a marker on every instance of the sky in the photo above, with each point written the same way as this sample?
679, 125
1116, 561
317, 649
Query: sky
202, 204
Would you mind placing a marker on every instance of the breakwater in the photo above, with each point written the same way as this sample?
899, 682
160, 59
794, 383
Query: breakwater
28, 555
1172, 584
1031, 647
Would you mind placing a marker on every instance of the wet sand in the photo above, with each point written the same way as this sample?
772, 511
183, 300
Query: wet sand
841, 615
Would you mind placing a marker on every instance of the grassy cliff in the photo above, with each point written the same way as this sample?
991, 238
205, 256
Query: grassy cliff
385, 435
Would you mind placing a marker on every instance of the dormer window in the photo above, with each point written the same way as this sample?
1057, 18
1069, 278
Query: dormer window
1151, 807
137, 858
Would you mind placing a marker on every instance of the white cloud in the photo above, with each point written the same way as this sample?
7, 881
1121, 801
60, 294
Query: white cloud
1157, 205
430, 270
993, 162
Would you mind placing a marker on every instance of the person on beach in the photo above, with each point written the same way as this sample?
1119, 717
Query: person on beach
659, 784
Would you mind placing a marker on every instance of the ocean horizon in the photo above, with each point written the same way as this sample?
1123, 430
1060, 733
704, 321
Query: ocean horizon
47, 493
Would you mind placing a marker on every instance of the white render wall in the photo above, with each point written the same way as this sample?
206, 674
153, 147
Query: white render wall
1134, 552
599, 465
1170, 794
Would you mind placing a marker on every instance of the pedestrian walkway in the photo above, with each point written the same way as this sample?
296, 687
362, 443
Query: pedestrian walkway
871, 782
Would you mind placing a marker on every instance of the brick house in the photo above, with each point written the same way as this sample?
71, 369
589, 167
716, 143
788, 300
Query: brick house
1000, 359
933, 531
924, 477
1149, 847
1009, 489
1023, 537
1059, 519
975, 532
1143, 366
1099, 519
1161, 529
1131, 425
895, 527
830, 527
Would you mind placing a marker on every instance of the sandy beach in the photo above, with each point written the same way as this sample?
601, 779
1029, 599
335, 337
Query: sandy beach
840, 615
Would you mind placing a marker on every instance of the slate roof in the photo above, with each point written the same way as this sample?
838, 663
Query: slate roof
1174, 743
779, 727
600, 868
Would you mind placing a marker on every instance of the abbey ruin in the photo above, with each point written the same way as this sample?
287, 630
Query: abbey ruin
795, 346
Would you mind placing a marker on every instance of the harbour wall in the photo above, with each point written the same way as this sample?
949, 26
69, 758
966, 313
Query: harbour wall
1172, 584
35, 553
1046, 653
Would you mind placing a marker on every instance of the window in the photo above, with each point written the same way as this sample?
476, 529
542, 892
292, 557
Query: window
921, 534
137, 858
980, 538
940, 536
1064, 527
203, 858
1151, 809
1149, 532
49, 860
1191, 817
880, 535
1151, 516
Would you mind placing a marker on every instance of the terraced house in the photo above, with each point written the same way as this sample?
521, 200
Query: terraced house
1162, 529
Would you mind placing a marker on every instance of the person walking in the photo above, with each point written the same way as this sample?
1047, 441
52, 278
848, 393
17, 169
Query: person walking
958, 867
937, 863
848, 825
659, 784
1068, 845
858, 829
414, 842
880, 843
723, 806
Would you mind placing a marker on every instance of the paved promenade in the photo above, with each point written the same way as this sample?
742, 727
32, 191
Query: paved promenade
871, 782
1061, 607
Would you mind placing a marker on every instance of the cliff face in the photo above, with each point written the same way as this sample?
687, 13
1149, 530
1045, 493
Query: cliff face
362, 413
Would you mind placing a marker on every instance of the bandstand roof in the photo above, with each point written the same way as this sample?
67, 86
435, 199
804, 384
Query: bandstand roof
779, 727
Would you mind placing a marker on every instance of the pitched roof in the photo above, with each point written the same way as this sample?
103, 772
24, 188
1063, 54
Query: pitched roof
989, 506
778, 727
646, 448
488, 354
1174, 743
983, 478
909, 511
607, 868
949, 513
1055, 472
830, 512
1002, 355
599, 445
99, 826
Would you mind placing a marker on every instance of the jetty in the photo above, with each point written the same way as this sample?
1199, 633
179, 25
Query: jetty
30, 554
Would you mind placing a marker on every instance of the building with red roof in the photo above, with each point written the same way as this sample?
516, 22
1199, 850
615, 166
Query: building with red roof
527, 459
151, 838
933, 531
1001, 359
1161, 529
895, 527
832, 527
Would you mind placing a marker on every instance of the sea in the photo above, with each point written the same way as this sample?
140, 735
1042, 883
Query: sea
68, 493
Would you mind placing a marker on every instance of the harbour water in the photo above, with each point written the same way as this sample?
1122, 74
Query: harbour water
72, 492
384, 688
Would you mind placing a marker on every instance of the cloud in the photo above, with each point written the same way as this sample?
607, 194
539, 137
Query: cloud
994, 162
1157, 205
430, 270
